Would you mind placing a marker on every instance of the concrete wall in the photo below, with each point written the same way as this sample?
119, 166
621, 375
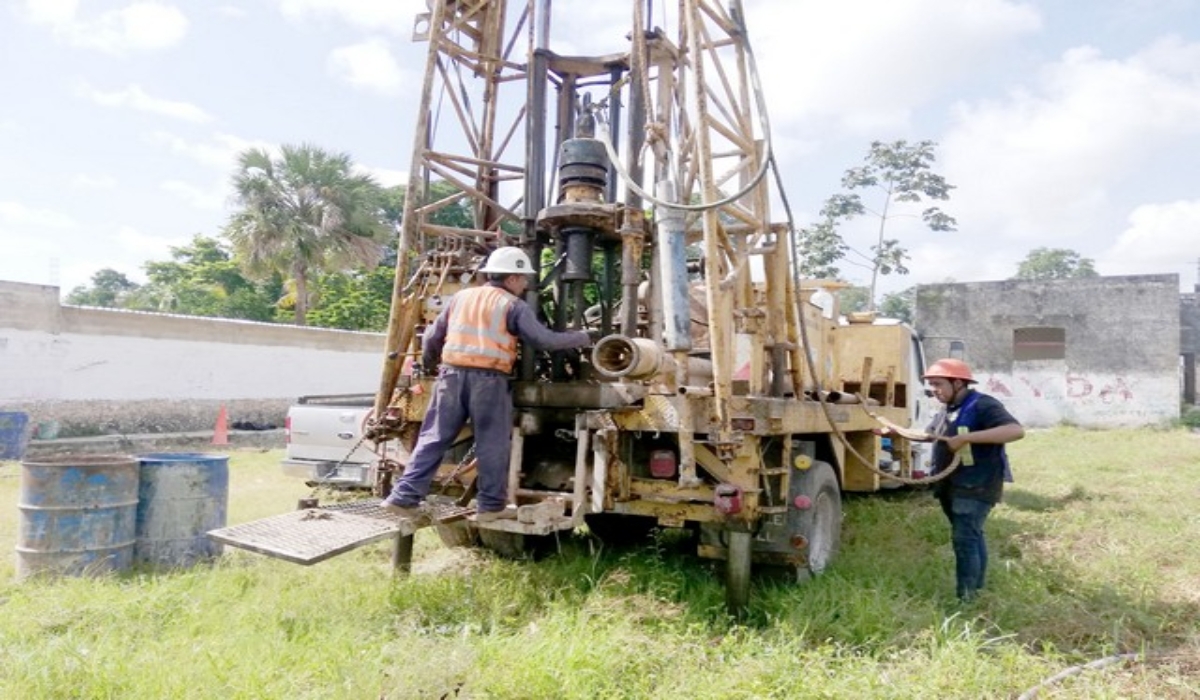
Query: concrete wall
1122, 345
98, 371
1189, 344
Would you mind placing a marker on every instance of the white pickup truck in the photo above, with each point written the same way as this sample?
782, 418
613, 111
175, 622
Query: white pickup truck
325, 441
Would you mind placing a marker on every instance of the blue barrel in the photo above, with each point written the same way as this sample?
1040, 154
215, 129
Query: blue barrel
78, 515
14, 434
181, 497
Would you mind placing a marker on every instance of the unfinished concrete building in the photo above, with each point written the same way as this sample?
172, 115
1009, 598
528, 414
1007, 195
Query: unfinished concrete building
1096, 352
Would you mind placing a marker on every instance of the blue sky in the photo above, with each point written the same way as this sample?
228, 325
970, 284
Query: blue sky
1062, 123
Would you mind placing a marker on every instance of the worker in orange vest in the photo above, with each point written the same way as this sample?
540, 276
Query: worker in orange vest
475, 339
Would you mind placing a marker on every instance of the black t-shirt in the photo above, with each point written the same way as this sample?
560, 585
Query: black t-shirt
984, 480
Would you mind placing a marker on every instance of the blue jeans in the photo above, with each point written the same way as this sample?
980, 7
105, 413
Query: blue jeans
485, 398
966, 516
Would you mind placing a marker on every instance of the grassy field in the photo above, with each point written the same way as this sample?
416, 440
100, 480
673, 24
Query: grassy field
1093, 554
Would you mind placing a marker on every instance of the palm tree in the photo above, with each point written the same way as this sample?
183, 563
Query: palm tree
302, 214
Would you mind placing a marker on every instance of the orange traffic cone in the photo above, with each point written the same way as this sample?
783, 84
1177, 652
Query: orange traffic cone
221, 431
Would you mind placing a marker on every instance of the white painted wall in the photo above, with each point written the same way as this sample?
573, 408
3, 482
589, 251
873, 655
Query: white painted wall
113, 371
1040, 396
39, 366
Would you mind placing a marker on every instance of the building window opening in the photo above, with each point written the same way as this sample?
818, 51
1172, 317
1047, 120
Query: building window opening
1039, 343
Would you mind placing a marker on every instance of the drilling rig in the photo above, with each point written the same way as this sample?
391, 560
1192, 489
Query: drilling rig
726, 395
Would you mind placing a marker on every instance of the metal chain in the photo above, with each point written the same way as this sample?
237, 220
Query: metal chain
323, 483
460, 467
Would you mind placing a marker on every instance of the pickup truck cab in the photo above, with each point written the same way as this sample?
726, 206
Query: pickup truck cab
325, 443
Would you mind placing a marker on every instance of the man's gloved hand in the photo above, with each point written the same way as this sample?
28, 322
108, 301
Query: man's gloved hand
594, 336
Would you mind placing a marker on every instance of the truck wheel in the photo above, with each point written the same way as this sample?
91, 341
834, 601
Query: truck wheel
618, 529
820, 523
737, 571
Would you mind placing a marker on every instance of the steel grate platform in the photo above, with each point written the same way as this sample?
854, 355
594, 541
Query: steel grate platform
316, 534
443, 512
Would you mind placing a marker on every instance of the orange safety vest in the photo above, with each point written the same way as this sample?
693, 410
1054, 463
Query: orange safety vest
477, 330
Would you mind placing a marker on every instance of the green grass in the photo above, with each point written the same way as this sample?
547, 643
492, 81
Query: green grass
1093, 553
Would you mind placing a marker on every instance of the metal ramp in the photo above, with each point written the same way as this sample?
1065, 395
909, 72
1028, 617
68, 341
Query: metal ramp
313, 535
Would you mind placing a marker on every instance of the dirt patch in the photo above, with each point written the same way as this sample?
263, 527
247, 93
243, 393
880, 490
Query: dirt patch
450, 560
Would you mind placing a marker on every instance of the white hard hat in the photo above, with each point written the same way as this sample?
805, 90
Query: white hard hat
508, 261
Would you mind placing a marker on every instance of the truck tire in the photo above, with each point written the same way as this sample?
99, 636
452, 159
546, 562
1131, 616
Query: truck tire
820, 524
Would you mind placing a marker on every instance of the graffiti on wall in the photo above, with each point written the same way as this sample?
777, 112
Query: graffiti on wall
1077, 387
1045, 396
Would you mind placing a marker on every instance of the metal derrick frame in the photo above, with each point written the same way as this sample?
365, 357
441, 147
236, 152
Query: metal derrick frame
472, 51
691, 106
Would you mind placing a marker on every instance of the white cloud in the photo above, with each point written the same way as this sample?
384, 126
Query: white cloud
1045, 162
79, 273
865, 65
594, 28
232, 11
393, 16
126, 250
52, 12
199, 197
369, 65
14, 214
39, 259
145, 246
134, 97
220, 152
85, 181
386, 177
140, 26
1161, 238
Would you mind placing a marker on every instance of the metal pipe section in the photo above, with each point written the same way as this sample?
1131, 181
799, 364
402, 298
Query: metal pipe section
535, 153
632, 241
779, 378
672, 271
618, 356
622, 357
608, 291
614, 114
579, 247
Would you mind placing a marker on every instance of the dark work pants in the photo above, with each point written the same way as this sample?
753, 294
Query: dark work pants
486, 398
966, 516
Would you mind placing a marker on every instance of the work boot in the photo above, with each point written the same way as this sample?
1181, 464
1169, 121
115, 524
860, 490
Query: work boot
403, 512
487, 516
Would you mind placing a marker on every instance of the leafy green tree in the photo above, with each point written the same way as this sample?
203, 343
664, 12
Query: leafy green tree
899, 305
360, 299
305, 213
900, 174
819, 248
893, 305
356, 301
109, 289
853, 299
1054, 264
202, 279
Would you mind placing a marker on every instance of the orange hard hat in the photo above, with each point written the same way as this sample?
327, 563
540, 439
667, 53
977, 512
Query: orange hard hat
949, 368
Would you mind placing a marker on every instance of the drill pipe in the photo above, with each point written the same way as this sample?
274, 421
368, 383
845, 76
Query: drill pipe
619, 356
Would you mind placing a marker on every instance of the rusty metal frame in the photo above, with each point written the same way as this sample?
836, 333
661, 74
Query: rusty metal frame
693, 118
